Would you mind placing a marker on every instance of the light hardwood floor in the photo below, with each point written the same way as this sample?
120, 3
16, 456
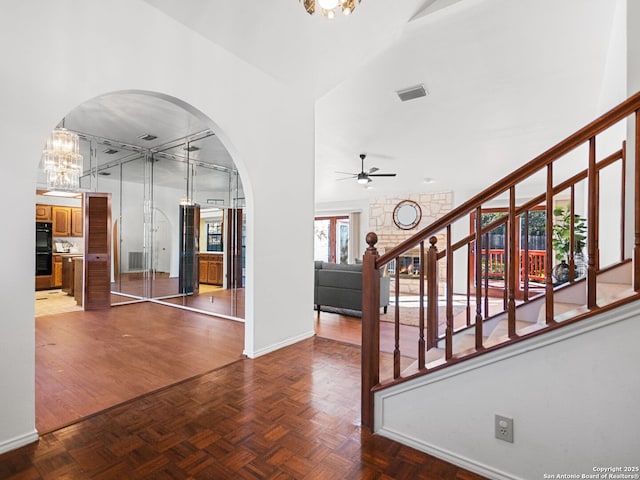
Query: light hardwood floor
89, 361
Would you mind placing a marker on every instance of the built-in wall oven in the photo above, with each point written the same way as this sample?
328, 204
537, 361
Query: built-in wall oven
43, 248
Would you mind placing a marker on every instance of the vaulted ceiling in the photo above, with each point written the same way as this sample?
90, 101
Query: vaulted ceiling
505, 80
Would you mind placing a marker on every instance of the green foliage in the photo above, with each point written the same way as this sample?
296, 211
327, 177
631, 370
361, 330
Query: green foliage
491, 217
562, 232
537, 222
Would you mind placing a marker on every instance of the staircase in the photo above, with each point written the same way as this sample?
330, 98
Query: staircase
453, 254
614, 286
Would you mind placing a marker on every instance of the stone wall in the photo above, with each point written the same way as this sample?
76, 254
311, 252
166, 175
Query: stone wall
433, 206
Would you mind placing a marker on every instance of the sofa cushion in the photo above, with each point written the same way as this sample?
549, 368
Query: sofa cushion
351, 267
340, 279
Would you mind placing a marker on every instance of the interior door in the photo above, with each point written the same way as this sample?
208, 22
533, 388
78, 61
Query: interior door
97, 251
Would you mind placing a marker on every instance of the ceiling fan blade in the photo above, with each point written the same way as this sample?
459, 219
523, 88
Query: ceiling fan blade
373, 170
382, 174
351, 177
348, 173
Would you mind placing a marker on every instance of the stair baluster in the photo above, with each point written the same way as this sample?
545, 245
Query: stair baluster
515, 271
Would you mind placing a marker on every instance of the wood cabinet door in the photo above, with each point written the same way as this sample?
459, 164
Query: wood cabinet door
97, 251
43, 213
77, 222
203, 273
57, 271
61, 221
212, 276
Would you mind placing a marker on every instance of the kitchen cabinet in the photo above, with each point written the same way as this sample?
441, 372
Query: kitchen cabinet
61, 221
203, 270
43, 213
77, 279
211, 269
69, 273
43, 282
77, 222
56, 278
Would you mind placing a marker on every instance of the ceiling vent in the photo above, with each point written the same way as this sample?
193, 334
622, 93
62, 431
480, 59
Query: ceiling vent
412, 93
191, 148
147, 137
104, 174
110, 151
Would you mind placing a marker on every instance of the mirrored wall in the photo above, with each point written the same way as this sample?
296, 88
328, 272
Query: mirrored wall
178, 206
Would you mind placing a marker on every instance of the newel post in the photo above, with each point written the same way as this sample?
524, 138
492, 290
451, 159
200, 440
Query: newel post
370, 329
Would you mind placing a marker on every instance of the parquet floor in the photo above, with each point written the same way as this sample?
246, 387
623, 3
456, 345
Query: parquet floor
292, 414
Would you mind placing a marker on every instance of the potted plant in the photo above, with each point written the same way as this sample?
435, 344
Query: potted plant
562, 242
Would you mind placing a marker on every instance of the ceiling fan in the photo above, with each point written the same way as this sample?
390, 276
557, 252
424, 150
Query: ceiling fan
362, 177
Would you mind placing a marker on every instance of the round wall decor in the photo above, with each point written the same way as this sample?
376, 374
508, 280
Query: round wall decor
407, 214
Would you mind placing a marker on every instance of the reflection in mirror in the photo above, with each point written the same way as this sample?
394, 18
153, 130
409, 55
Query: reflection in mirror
149, 179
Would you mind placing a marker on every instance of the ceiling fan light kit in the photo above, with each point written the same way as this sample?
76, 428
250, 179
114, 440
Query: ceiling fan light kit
364, 178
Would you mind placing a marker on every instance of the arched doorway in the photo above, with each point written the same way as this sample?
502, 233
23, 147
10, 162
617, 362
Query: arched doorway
152, 182
153, 155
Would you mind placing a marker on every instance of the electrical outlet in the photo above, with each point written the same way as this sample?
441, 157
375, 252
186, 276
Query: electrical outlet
504, 428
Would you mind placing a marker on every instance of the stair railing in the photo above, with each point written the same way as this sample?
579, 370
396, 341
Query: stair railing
437, 264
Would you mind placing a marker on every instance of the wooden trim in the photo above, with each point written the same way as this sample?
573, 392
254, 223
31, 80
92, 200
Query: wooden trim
432, 293
512, 272
623, 202
449, 308
592, 239
549, 260
636, 247
421, 341
478, 272
370, 330
97, 251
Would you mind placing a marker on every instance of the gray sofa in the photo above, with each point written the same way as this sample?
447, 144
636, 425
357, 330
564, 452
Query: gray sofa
340, 286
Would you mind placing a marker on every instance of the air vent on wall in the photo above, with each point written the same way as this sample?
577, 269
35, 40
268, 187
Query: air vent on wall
110, 151
191, 148
412, 93
147, 136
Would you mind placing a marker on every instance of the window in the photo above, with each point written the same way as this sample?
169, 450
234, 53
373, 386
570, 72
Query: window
331, 241
214, 237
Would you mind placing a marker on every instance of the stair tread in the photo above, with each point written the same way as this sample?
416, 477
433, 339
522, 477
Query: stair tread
502, 328
608, 292
501, 335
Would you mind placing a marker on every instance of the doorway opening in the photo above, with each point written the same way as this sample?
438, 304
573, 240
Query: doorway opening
155, 157
168, 175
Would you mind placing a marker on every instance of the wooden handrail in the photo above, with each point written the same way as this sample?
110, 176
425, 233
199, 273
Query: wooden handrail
516, 267
605, 121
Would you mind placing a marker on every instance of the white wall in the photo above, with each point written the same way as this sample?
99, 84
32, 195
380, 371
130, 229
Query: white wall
574, 404
56, 56
614, 91
633, 86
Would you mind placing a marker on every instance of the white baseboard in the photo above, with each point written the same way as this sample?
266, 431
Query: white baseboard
447, 456
279, 345
17, 442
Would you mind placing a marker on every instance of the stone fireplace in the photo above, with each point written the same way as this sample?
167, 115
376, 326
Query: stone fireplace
433, 206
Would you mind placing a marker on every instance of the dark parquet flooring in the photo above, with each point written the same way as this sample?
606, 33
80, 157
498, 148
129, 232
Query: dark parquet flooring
292, 414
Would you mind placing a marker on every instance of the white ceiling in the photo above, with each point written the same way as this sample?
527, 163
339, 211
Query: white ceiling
506, 79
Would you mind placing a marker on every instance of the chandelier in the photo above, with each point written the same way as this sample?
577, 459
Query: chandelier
62, 161
328, 8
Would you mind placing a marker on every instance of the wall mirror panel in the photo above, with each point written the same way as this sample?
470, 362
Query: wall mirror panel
177, 202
